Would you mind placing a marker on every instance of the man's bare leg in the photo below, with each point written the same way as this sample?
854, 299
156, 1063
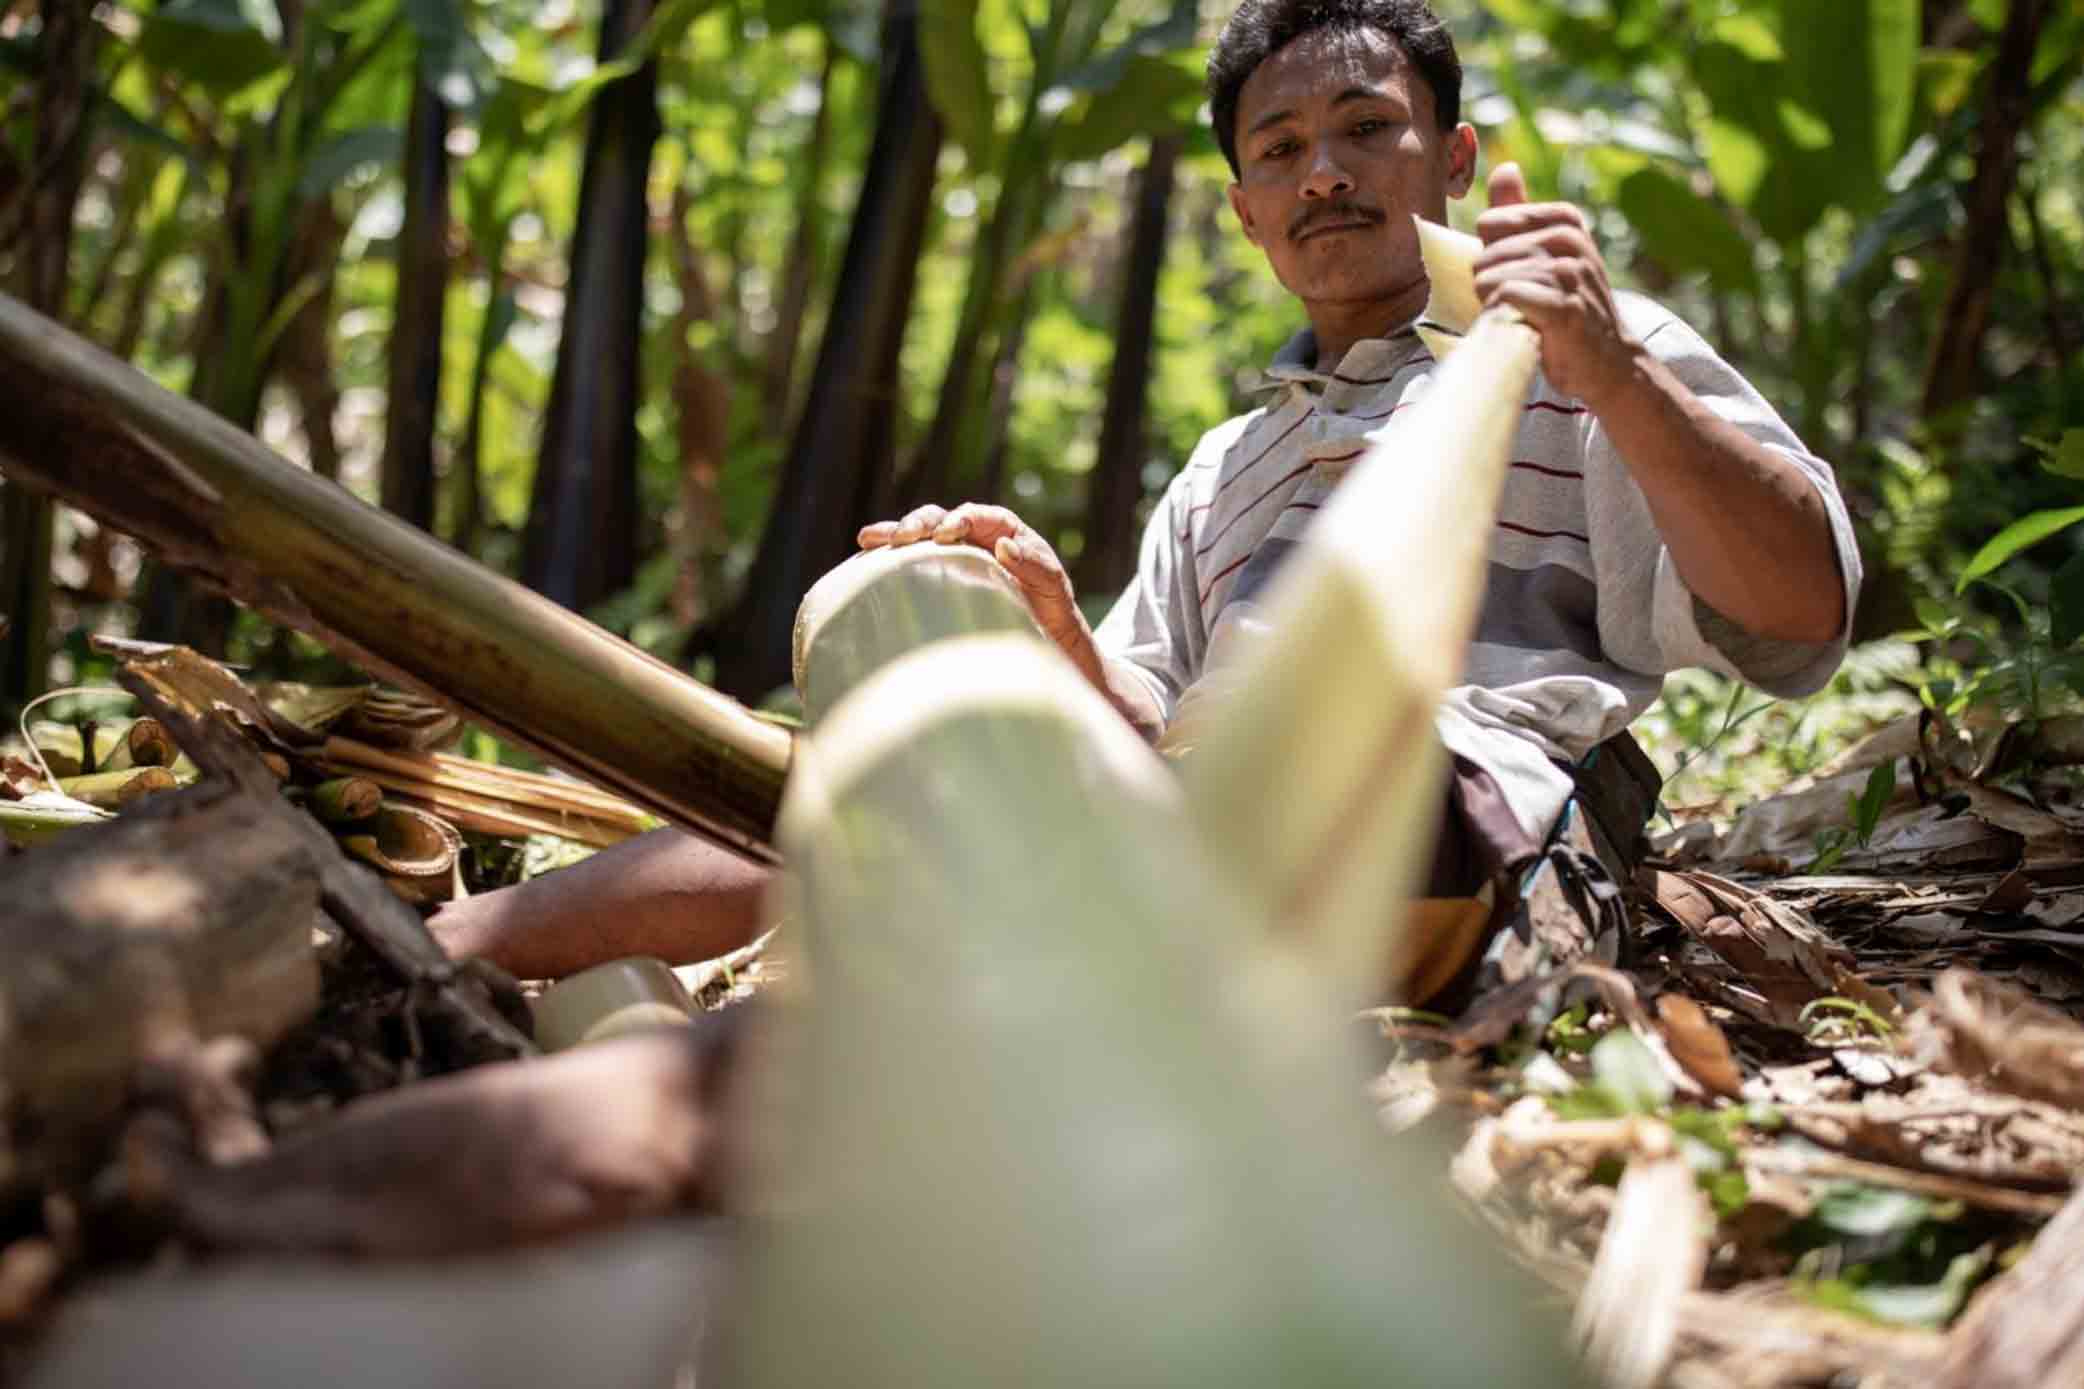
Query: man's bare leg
665, 893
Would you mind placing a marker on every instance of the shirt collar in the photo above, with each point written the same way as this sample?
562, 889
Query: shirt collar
1370, 359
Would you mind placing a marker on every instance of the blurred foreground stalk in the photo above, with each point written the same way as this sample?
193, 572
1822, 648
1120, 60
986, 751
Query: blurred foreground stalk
1068, 1112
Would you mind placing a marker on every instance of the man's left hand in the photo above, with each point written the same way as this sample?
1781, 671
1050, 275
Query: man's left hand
1541, 259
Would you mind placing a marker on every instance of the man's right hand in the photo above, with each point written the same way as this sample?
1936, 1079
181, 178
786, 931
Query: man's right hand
1035, 567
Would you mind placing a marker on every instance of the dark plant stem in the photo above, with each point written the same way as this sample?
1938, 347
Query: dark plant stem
1954, 371
839, 460
1109, 557
580, 544
414, 381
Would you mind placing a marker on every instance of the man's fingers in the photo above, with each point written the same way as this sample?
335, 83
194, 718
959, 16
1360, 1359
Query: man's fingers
1508, 185
1527, 219
1539, 303
915, 526
1040, 574
1557, 241
975, 523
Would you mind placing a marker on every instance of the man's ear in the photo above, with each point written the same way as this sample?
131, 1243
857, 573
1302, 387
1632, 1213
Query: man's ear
1461, 160
1244, 213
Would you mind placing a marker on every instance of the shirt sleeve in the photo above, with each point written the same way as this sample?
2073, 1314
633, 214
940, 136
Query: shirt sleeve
1649, 620
1155, 626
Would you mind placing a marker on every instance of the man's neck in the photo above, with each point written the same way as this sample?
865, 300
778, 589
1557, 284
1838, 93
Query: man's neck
1338, 325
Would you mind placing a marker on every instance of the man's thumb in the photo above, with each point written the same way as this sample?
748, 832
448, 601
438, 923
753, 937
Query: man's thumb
1508, 185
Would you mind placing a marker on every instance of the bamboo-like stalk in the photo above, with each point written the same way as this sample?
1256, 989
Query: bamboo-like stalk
440, 771
511, 821
1065, 1118
213, 500
113, 789
1315, 768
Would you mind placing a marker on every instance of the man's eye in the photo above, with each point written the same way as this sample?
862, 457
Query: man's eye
1279, 149
1369, 126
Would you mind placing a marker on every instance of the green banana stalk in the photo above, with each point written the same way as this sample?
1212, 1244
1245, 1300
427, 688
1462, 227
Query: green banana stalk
1323, 708
1066, 1116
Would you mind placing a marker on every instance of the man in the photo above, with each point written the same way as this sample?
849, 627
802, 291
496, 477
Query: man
1658, 513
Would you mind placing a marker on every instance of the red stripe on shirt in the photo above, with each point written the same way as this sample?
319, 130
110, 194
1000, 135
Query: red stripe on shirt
1544, 535
1187, 534
1223, 574
1246, 509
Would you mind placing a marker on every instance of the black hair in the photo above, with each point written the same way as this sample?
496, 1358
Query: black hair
1261, 28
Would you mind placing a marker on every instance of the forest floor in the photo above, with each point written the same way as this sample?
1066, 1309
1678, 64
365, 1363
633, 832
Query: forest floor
1819, 1126
1815, 1129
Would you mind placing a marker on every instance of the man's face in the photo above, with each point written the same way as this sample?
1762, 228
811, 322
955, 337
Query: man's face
1338, 144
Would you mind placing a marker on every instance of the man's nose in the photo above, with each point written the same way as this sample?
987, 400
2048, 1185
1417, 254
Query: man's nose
1325, 177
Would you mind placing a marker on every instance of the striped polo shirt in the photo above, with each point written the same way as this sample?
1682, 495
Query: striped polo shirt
1584, 611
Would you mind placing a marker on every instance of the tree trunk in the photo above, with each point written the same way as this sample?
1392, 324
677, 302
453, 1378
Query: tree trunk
1109, 557
840, 458
1955, 370
65, 50
950, 446
580, 544
212, 499
414, 383
800, 268
306, 359
702, 409
1005, 384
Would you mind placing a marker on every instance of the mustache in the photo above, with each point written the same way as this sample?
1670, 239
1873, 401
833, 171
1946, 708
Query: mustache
1326, 214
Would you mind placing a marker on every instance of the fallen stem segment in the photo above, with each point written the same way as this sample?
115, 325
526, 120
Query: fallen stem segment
214, 501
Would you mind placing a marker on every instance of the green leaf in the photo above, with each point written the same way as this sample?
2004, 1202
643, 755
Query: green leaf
215, 44
1881, 785
1156, 96
1936, 618
2066, 602
1856, 62
665, 27
1685, 231
957, 76
450, 60
1168, 35
1930, 1305
2064, 458
1749, 35
2021, 534
346, 152
1630, 1073
1852, 1208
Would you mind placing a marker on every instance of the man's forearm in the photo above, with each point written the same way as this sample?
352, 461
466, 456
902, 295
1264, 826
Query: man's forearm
665, 893
1747, 529
1127, 693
